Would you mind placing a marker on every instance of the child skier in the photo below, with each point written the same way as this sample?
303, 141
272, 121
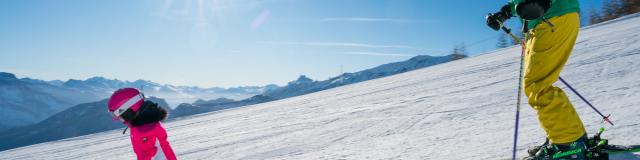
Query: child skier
148, 137
553, 28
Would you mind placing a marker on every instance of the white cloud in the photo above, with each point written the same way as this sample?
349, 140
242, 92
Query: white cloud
338, 44
377, 54
369, 19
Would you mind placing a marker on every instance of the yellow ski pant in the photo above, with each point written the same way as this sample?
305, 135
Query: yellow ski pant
547, 51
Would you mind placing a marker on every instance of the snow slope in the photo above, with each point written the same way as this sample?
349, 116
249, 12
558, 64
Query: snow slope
458, 110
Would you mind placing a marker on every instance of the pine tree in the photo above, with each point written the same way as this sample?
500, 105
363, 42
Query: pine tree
502, 41
611, 10
634, 6
620, 10
629, 6
459, 52
594, 16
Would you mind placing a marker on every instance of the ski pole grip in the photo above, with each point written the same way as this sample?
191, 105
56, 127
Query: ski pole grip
601, 130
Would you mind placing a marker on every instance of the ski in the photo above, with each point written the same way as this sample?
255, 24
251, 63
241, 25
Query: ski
597, 149
618, 149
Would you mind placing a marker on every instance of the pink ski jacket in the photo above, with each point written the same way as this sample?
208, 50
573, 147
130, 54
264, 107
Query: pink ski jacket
150, 142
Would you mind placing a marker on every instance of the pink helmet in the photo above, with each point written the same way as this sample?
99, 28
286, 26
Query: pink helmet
123, 99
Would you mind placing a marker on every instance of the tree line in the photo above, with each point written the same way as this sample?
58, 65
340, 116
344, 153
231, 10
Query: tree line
612, 9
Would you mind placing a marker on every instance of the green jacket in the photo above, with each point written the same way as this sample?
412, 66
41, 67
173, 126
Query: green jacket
558, 8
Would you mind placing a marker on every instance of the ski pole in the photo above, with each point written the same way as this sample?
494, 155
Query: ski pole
515, 134
605, 118
521, 42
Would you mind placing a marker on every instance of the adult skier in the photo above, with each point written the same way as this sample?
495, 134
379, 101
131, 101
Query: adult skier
148, 137
552, 28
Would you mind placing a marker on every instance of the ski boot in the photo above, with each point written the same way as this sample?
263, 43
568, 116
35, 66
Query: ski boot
537, 152
573, 150
597, 147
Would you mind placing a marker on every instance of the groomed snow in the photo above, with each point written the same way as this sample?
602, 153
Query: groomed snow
459, 110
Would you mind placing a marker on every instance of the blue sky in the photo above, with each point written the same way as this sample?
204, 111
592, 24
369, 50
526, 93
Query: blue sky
230, 43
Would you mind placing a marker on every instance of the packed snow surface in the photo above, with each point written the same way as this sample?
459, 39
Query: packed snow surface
459, 110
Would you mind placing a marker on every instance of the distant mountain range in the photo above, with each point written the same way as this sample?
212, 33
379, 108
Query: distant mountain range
78, 120
27, 101
174, 95
216, 105
304, 85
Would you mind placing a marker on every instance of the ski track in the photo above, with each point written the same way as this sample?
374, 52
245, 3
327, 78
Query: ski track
458, 110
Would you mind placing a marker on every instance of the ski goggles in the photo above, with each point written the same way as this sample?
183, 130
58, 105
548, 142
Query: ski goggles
116, 118
123, 108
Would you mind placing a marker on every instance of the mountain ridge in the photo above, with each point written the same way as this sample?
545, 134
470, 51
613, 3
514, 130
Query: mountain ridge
26, 101
304, 85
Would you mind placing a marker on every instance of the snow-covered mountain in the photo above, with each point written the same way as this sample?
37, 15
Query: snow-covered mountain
304, 85
216, 105
79, 120
458, 110
213, 101
27, 101
173, 94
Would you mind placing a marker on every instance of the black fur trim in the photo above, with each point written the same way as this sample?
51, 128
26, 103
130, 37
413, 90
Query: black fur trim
148, 113
128, 115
